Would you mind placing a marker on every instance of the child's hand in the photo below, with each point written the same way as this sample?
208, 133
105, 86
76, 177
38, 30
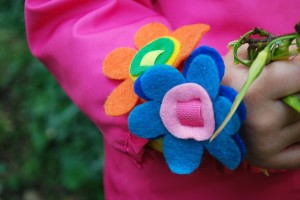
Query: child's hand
272, 129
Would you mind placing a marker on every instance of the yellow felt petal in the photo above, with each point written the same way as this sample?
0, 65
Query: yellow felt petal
116, 64
148, 33
189, 36
122, 99
176, 52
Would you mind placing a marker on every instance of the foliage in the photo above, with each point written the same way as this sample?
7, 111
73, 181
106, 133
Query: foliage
49, 150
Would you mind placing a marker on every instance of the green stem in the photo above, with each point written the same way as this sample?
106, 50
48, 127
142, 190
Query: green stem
293, 101
285, 56
254, 71
238, 45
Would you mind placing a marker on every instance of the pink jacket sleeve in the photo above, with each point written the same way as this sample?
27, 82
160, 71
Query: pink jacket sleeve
72, 37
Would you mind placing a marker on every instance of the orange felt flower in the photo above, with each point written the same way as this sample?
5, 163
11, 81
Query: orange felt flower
117, 64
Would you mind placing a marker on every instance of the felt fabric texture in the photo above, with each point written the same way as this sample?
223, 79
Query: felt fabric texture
154, 85
150, 32
230, 93
233, 151
185, 93
153, 47
166, 86
150, 57
188, 36
147, 126
118, 68
239, 141
189, 113
211, 52
182, 156
117, 103
163, 50
222, 106
203, 71
138, 90
229, 155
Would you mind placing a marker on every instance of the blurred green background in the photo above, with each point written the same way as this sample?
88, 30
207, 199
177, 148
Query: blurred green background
48, 149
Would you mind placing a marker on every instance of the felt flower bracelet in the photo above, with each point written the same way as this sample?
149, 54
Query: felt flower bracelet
126, 64
180, 108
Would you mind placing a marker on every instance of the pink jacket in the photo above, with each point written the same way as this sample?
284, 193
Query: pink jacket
72, 37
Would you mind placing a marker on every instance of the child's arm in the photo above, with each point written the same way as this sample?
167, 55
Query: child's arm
272, 129
72, 37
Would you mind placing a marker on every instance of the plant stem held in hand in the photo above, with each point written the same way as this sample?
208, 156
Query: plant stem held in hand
261, 51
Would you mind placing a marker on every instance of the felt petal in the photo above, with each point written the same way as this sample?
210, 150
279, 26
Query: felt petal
138, 89
144, 121
222, 106
241, 144
187, 112
203, 71
230, 93
121, 100
182, 156
116, 64
158, 80
211, 52
189, 36
225, 150
148, 33
163, 50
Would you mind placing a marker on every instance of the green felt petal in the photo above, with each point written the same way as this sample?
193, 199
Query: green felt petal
160, 51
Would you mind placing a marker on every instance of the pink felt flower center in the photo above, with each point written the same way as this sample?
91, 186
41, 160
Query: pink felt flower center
187, 112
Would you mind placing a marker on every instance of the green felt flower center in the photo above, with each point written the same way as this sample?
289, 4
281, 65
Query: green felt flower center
163, 50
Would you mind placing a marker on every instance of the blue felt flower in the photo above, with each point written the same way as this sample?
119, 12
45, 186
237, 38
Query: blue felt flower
185, 109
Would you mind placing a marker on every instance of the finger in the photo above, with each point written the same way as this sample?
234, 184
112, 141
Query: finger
235, 75
279, 79
289, 157
290, 134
